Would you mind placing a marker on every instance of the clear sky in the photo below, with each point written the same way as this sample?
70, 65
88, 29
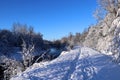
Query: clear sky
53, 18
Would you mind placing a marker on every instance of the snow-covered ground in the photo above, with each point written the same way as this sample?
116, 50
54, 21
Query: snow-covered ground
78, 64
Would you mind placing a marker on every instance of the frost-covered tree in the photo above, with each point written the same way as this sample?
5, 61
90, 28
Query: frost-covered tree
109, 5
23, 31
77, 39
115, 47
99, 14
106, 11
27, 55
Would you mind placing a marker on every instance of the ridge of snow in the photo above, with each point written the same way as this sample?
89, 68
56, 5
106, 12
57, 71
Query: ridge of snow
78, 64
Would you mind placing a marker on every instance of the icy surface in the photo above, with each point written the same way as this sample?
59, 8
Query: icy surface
78, 64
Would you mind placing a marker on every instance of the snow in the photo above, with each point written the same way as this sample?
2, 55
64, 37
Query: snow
78, 64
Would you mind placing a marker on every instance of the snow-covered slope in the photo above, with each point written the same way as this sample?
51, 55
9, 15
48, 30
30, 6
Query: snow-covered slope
78, 64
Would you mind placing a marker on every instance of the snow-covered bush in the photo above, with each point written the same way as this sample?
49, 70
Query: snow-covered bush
9, 67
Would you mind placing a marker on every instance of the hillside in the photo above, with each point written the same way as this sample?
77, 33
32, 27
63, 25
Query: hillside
82, 63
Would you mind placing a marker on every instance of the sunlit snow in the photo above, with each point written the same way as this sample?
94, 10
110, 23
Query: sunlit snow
78, 64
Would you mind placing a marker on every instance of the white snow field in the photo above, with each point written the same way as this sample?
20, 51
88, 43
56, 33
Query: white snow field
78, 64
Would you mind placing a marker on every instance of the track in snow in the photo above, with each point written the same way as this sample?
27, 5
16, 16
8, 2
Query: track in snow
83, 69
72, 67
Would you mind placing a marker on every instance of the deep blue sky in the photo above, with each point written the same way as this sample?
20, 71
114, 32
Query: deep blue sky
53, 18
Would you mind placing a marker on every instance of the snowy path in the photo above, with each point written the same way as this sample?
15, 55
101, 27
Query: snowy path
72, 67
84, 69
78, 64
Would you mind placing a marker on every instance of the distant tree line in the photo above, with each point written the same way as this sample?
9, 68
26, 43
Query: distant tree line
76, 39
19, 33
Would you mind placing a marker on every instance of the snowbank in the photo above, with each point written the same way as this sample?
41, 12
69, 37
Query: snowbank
78, 64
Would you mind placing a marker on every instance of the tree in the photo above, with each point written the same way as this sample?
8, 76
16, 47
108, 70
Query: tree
109, 5
106, 12
22, 31
105, 8
27, 54
99, 14
20, 28
115, 46
77, 39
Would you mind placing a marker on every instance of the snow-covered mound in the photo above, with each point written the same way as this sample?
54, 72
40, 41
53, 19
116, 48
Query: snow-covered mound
78, 64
